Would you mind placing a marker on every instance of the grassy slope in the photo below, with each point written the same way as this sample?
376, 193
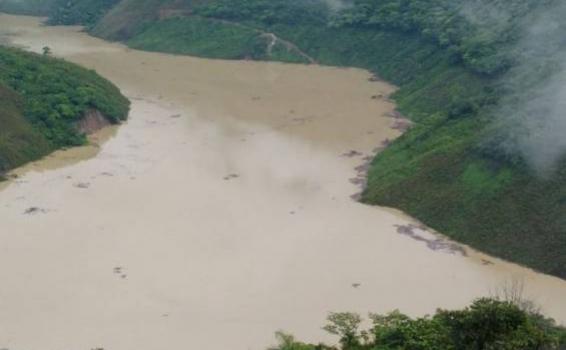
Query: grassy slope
41, 98
454, 185
199, 37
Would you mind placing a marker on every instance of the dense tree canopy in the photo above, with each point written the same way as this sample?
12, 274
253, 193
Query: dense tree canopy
478, 32
487, 324
267, 11
79, 11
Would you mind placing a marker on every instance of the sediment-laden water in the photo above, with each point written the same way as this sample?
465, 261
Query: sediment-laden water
219, 213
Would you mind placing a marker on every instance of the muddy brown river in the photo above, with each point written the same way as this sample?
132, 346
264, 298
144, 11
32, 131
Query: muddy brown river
220, 213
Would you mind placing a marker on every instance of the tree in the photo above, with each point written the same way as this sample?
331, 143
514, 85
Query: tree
346, 326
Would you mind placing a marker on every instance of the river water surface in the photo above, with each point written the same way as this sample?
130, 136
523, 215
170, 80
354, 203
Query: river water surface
219, 213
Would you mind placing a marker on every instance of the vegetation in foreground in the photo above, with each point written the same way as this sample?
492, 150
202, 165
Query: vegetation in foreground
41, 100
487, 324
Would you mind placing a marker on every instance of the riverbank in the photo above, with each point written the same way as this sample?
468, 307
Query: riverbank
220, 213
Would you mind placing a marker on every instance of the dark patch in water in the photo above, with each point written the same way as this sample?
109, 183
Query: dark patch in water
352, 153
436, 244
34, 211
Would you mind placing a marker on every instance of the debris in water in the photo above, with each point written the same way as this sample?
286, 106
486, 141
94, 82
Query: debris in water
436, 243
401, 125
231, 176
394, 115
356, 285
364, 168
82, 185
34, 211
352, 153
358, 180
356, 197
119, 270
300, 120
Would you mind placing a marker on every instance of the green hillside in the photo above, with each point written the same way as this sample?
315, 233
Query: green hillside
41, 100
471, 76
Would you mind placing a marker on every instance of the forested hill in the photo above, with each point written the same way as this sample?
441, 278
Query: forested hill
483, 81
41, 101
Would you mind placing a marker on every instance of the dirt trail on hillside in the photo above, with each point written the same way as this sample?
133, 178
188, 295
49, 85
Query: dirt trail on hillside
273, 38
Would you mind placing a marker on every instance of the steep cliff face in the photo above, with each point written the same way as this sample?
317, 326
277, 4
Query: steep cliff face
91, 122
